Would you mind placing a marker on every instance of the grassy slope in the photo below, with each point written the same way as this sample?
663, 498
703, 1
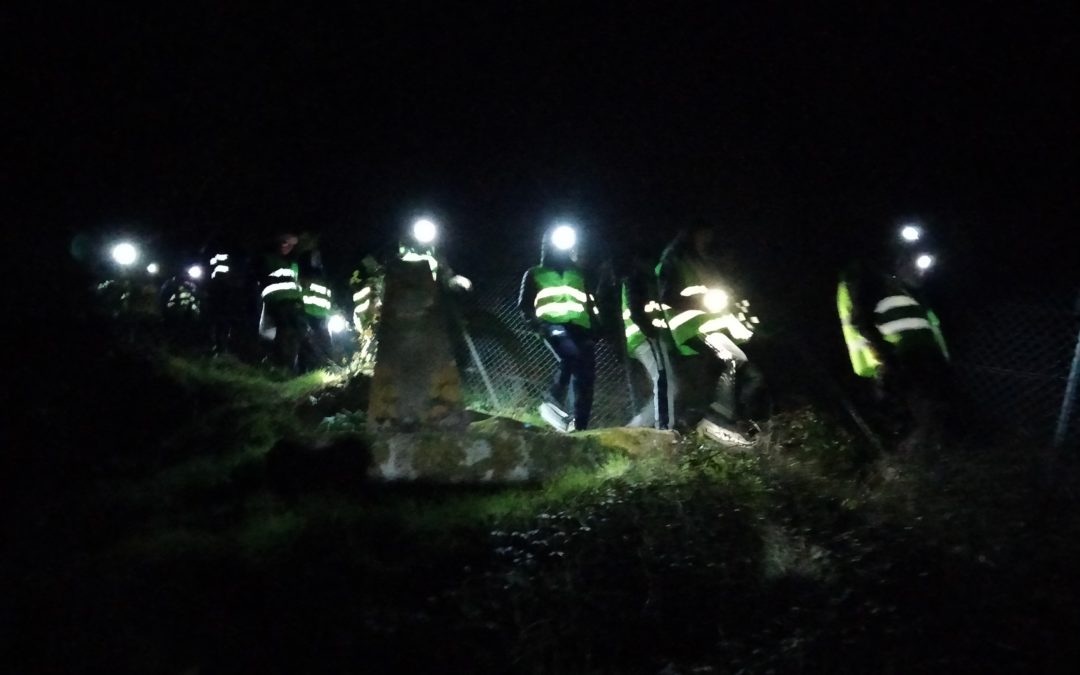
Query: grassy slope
178, 551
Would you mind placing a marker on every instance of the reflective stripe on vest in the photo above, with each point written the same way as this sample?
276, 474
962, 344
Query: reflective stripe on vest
279, 289
693, 318
363, 300
412, 256
653, 312
218, 266
317, 299
282, 290
863, 359
898, 314
689, 323
560, 297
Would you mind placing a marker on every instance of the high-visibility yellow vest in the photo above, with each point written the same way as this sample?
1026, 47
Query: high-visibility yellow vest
561, 297
317, 299
654, 313
696, 313
282, 281
902, 321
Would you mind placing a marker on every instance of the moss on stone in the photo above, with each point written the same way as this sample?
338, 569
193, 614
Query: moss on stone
636, 442
501, 449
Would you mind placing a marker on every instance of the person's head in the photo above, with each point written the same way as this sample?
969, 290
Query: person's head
370, 266
701, 236
307, 241
286, 243
561, 244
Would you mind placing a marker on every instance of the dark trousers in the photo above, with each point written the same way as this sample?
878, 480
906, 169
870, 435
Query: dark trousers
288, 318
697, 378
916, 392
221, 311
573, 346
749, 392
315, 352
656, 357
737, 384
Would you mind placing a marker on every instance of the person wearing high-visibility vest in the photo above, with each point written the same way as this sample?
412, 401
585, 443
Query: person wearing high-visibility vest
420, 246
366, 287
181, 309
316, 348
894, 339
649, 342
709, 325
555, 301
283, 311
225, 293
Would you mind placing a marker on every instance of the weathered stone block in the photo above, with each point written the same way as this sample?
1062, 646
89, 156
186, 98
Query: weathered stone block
499, 449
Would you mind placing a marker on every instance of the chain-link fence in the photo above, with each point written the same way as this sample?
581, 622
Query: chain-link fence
1011, 364
519, 366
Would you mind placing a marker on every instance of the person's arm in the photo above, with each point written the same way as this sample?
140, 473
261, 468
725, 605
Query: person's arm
595, 282
865, 292
671, 284
637, 296
665, 281
527, 298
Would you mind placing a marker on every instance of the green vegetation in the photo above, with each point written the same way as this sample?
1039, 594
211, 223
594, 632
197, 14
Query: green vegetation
194, 547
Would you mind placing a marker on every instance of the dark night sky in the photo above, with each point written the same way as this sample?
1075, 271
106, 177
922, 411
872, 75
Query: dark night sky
793, 130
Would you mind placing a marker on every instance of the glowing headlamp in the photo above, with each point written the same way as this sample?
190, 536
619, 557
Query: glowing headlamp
564, 237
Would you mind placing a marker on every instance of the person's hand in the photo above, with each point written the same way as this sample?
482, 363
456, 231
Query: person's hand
463, 283
886, 363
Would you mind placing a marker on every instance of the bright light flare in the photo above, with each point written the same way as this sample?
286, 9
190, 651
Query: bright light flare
564, 237
715, 300
125, 253
911, 233
195, 272
153, 268
924, 261
424, 230
337, 324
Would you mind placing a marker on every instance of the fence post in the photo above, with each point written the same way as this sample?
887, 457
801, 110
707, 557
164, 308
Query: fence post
479, 363
1069, 398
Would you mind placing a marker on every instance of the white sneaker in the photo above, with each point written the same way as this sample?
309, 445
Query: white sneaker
723, 434
551, 414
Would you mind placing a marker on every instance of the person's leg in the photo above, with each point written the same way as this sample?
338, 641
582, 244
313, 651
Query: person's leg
564, 349
666, 384
749, 394
694, 385
320, 338
647, 415
279, 317
926, 402
314, 347
306, 358
726, 359
584, 377
287, 340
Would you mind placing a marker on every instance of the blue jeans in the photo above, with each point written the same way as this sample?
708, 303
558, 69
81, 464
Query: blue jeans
573, 347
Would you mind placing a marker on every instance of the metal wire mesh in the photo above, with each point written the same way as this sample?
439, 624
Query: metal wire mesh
1011, 363
519, 365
